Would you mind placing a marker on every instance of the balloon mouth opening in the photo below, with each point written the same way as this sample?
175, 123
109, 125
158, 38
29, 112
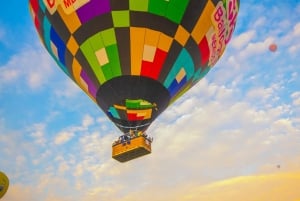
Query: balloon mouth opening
132, 102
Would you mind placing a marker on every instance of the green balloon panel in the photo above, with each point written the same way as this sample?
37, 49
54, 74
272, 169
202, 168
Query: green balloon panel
109, 47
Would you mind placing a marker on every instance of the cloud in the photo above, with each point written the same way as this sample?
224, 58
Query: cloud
260, 22
260, 93
8, 75
87, 121
67, 89
277, 187
37, 131
243, 39
296, 30
63, 167
284, 126
63, 137
68, 133
294, 38
22, 69
296, 98
13, 193
256, 48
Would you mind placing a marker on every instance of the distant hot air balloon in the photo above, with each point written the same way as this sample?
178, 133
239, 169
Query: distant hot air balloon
4, 183
134, 58
273, 47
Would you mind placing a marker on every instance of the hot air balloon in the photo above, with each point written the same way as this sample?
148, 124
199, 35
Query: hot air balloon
4, 183
273, 47
134, 58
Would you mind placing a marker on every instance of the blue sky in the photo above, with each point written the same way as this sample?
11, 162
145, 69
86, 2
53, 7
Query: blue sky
232, 129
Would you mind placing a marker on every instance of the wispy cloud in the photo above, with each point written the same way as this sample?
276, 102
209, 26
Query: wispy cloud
67, 134
38, 134
23, 69
63, 137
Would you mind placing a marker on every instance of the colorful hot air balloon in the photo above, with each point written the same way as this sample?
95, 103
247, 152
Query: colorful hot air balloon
4, 183
134, 58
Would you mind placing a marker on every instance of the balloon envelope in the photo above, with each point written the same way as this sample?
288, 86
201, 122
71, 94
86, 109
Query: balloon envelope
273, 47
135, 57
4, 183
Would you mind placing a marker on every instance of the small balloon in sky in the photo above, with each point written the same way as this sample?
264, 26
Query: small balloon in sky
4, 183
273, 47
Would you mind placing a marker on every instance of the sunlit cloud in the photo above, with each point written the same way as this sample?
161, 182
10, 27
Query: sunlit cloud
277, 187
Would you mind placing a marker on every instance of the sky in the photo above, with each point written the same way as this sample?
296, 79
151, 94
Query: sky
234, 136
